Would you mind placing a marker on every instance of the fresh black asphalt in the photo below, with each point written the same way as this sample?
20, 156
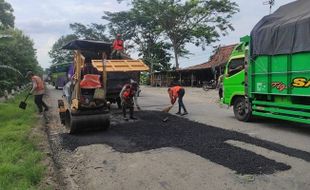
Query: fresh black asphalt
150, 132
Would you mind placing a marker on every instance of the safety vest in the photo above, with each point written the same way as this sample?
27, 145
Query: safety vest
175, 90
39, 82
128, 93
118, 45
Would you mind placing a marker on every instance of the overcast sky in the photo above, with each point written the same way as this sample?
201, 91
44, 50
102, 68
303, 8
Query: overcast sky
45, 21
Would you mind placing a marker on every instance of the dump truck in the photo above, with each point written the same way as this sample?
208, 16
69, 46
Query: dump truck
58, 74
86, 103
268, 73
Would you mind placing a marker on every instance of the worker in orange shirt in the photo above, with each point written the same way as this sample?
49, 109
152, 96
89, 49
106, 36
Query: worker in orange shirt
117, 47
37, 90
128, 99
177, 92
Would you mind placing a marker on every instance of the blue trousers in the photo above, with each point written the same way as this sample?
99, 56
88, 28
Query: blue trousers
181, 93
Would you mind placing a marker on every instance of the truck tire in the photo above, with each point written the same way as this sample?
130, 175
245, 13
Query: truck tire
242, 109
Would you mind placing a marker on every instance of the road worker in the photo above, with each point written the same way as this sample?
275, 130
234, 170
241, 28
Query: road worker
117, 47
177, 92
128, 100
37, 90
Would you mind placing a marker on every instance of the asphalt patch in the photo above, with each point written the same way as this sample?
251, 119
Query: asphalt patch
150, 132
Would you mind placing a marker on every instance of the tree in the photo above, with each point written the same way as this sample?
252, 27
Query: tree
6, 15
80, 31
157, 56
89, 32
200, 22
142, 32
18, 53
59, 55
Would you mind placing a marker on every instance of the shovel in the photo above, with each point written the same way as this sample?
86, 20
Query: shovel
23, 104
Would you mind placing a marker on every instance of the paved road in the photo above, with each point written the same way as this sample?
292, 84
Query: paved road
209, 149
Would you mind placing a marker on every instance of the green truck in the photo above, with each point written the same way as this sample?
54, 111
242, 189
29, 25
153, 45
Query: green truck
268, 73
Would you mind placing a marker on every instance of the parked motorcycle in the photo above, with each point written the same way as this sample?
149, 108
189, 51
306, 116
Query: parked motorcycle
207, 85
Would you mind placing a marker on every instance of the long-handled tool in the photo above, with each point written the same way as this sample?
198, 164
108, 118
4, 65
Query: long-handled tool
167, 109
23, 104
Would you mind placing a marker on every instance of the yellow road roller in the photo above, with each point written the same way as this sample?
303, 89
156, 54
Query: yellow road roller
85, 104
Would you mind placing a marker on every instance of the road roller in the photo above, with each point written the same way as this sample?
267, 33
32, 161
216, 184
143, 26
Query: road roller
85, 105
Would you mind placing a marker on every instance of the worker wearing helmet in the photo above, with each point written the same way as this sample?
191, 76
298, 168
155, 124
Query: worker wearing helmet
127, 99
117, 47
37, 90
177, 92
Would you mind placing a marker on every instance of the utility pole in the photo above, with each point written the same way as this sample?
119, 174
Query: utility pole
270, 3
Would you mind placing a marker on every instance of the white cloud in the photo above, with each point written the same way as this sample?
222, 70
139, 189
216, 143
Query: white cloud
39, 26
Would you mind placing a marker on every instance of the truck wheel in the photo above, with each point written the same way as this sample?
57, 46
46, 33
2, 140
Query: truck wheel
242, 109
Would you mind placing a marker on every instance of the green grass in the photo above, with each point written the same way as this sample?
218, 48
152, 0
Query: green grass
20, 166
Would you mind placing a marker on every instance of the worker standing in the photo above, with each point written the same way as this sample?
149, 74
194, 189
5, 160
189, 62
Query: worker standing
127, 96
177, 92
37, 90
118, 47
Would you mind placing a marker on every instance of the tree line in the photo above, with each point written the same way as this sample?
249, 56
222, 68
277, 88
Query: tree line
17, 51
158, 30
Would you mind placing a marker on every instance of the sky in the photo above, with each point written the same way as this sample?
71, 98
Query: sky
45, 21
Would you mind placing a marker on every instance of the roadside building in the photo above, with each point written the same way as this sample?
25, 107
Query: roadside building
163, 78
195, 75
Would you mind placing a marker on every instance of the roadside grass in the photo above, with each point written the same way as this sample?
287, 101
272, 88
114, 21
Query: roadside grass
20, 166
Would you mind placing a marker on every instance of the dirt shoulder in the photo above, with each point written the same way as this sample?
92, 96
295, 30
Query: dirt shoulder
51, 176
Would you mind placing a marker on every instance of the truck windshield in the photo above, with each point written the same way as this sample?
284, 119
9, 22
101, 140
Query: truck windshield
235, 66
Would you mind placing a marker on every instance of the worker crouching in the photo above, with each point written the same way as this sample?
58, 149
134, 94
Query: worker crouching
177, 92
127, 99
37, 90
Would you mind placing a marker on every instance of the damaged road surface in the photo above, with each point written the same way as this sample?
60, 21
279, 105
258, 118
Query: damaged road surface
175, 154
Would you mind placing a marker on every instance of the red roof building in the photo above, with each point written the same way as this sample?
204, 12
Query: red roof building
220, 58
195, 75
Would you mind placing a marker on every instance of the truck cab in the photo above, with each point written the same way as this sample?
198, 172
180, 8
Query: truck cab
235, 79
234, 76
268, 73
267, 86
